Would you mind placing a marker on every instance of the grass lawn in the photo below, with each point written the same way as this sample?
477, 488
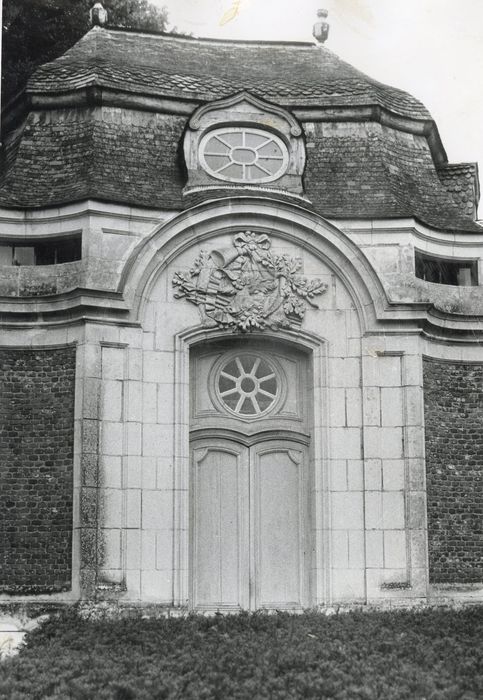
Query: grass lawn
427, 654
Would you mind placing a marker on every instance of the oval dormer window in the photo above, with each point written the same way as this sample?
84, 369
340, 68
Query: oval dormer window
240, 154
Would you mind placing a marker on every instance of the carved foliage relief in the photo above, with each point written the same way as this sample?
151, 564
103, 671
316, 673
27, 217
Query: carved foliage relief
247, 287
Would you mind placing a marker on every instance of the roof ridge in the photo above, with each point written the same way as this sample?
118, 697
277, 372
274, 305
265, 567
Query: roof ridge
206, 39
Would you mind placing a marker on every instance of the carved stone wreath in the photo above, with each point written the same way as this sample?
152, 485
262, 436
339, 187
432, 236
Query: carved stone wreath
246, 287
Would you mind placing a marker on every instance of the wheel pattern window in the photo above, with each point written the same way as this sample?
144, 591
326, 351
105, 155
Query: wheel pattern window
247, 385
243, 155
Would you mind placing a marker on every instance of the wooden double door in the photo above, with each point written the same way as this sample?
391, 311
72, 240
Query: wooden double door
249, 524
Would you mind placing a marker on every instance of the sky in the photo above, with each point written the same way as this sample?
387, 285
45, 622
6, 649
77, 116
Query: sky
430, 48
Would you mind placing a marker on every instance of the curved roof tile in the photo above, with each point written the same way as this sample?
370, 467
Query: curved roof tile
206, 69
367, 170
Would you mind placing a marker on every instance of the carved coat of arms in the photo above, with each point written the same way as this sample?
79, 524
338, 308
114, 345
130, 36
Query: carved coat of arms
246, 287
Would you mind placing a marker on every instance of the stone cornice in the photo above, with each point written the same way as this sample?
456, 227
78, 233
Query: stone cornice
67, 308
85, 207
448, 237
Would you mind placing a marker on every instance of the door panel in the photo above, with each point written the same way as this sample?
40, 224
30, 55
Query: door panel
249, 509
219, 509
248, 525
278, 482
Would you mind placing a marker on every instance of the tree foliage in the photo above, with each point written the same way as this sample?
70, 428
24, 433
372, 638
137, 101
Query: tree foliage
37, 31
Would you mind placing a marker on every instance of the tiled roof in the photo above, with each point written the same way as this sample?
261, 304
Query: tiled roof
202, 69
461, 181
364, 171
356, 169
372, 171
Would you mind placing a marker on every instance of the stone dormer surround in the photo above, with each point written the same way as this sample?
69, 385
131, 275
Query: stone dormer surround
244, 112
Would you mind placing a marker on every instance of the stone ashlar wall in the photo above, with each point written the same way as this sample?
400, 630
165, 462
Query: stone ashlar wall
454, 462
36, 469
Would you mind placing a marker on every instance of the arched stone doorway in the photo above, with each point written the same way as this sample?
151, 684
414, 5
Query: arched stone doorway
359, 470
250, 511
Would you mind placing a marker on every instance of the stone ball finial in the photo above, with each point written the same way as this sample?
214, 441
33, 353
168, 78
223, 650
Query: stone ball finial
98, 15
321, 28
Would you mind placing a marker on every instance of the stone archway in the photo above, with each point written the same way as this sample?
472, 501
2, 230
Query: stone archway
195, 260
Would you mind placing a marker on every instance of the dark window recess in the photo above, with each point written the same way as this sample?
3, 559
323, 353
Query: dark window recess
41, 252
463, 273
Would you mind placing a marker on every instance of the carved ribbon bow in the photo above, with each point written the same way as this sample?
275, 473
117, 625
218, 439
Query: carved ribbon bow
251, 244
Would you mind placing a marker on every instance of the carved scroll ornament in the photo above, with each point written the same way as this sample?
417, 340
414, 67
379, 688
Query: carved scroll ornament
246, 287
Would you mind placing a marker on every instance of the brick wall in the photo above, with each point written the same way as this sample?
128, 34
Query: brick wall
36, 455
454, 463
